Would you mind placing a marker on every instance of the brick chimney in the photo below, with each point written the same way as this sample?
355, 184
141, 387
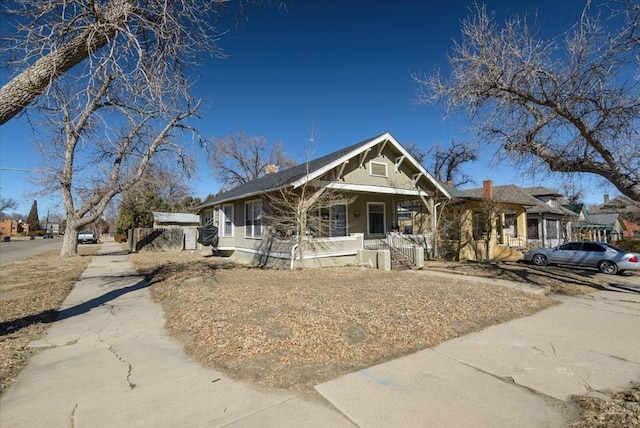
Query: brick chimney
449, 183
271, 169
487, 189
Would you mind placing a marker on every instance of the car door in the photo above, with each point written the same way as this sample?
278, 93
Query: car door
593, 254
567, 253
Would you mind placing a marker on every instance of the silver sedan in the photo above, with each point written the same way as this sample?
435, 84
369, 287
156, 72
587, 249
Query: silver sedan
606, 257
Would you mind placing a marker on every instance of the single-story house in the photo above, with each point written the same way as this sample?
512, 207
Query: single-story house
629, 213
491, 218
325, 211
608, 226
548, 223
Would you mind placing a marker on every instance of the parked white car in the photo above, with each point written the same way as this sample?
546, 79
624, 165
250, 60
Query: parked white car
87, 237
606, 257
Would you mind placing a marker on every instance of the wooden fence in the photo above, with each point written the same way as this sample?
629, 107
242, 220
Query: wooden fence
148, 239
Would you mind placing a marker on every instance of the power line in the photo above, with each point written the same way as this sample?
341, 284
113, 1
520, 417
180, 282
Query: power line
2, 168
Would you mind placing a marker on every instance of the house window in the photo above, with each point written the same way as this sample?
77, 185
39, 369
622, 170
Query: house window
253, 219
375, 217
329, 221
479, 225
338, 220
227, 220
207, 217
532, 228
378, 169
552, 229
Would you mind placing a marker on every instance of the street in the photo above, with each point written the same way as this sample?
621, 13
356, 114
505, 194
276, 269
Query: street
21, 248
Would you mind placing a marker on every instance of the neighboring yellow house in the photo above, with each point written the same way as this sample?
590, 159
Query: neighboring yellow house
489, 219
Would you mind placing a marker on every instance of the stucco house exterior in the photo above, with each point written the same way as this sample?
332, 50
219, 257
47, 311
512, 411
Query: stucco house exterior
491, 218
608, 226
629, 214
373, 178
549, 223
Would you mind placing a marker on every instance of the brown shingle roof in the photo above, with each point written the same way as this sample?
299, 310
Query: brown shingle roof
509, 193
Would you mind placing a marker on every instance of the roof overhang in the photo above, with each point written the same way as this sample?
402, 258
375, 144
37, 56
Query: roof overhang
383, 140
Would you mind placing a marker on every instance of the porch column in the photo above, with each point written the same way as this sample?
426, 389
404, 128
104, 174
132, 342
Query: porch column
521, 224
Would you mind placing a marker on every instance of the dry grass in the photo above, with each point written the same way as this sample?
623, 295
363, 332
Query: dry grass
556, 280
614, 409
295, 329
31, 291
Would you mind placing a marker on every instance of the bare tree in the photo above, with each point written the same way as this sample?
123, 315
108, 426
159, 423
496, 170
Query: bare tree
6, 204
157, 190
486, 223
571, 101
106, 133
416, 151
307, 212
237, 159
446, 163
49, 38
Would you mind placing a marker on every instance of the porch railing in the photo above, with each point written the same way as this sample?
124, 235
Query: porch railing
408, 245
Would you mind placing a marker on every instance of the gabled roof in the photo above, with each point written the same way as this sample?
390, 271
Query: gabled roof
606, 219
509, 193
541, 191
513, 194
617, 204
186, 218
576, 208
305, 172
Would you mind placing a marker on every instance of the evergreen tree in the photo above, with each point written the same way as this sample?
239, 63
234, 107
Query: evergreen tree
33, 220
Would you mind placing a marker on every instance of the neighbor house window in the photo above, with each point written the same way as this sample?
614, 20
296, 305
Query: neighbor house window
479, 225
227, 220
375, 218
532, 228
379, 169
552, 229
253, 219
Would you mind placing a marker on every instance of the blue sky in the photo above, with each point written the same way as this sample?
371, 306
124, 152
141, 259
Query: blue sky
344, 65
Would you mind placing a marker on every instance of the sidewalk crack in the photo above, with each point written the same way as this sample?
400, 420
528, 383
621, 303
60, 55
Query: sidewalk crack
129, 366
73, 416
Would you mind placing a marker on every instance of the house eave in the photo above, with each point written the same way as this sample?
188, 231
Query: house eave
382, 139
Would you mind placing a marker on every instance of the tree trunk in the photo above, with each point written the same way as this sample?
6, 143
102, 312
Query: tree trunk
70, 241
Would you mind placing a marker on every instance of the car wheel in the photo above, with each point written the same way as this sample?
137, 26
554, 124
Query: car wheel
540, 260
610, 268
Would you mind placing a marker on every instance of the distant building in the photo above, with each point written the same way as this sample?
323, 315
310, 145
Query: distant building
13, 227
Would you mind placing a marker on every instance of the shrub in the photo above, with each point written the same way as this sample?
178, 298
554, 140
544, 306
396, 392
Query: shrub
629, 244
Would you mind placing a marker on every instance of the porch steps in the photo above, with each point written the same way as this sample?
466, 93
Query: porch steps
399, 261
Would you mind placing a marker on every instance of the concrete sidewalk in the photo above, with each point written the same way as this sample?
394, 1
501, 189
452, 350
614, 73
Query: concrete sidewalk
520, 373
108, 362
